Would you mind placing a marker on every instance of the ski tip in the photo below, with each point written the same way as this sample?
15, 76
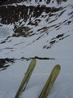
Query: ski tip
58, 66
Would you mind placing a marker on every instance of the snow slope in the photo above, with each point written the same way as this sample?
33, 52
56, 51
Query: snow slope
52, 37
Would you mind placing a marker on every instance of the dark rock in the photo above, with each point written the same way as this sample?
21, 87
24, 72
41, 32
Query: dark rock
4, 63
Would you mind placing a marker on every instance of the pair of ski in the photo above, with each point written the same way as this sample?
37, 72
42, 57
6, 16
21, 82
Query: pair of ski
48, 85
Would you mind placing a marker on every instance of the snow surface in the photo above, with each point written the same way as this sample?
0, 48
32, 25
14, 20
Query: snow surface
19, 47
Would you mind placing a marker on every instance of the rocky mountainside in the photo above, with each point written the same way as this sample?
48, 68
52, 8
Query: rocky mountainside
2, 2
34, 23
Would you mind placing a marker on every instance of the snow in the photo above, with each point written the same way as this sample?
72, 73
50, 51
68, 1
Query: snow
62, 51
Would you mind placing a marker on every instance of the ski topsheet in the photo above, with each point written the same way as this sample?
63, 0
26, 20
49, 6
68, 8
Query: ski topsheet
49, 83
26, 78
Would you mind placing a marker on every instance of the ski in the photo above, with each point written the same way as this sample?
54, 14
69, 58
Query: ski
26, 78
49, 83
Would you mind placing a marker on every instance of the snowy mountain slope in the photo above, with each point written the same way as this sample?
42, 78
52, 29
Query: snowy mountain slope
37, 28
30, 32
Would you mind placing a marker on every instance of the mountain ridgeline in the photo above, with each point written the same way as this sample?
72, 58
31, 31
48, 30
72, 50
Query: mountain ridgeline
2, 2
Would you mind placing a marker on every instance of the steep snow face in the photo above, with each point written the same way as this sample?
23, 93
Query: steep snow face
30, 30
30, 27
